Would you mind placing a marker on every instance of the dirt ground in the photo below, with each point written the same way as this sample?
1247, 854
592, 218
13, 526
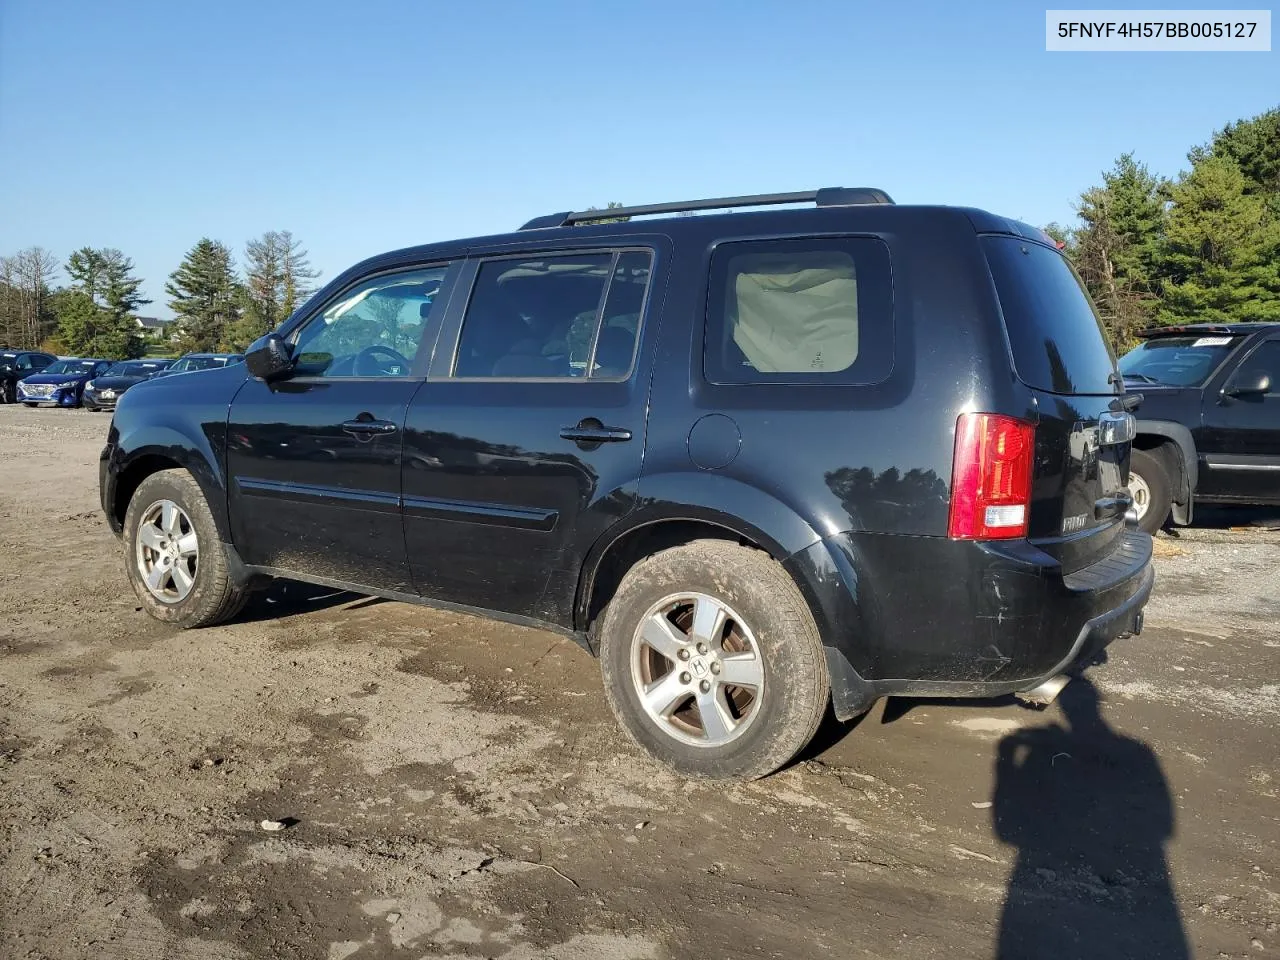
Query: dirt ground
456, 788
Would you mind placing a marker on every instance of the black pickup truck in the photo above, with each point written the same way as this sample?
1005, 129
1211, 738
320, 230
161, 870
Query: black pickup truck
1209, 421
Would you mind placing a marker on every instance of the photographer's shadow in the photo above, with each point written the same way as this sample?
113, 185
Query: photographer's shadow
1090, 812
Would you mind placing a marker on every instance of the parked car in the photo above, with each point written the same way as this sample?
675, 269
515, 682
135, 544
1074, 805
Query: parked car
811, 455
61, 383
16, 364
1209, 422
102, 392
191, 362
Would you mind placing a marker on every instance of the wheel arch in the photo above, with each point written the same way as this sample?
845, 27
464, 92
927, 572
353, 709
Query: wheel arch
164, 448
677, 509
1174, 440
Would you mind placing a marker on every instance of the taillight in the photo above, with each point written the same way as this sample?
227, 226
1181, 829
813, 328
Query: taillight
991, 477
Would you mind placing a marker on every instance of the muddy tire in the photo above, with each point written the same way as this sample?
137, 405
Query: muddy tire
173, 555
1151, 489
712, 662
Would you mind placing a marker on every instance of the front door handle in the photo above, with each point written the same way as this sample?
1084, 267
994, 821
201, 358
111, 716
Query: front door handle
592, 431
369, 428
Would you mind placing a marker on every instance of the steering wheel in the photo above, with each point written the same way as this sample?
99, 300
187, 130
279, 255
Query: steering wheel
366, 364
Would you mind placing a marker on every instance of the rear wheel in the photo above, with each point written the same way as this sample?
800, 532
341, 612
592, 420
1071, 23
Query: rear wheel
1150, 487
712, 661
174, 556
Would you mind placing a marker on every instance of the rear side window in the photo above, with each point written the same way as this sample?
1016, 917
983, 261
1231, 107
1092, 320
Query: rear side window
1058, 341
800, 311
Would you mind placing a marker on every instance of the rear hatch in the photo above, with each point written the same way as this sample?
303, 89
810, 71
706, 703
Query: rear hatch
1083, 435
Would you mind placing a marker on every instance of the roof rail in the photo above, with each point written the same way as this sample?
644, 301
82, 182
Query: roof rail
825, 197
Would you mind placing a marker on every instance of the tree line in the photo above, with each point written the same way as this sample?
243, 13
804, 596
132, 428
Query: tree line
95, 314
1203, 247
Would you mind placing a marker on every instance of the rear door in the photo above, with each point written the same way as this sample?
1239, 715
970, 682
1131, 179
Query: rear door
1239, 439
314, 460
525, 443
1083, 437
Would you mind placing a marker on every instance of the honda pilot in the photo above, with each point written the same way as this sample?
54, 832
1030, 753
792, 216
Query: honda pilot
762, 456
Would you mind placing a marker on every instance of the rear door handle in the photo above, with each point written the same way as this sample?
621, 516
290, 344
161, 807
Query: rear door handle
366, 428
591, 430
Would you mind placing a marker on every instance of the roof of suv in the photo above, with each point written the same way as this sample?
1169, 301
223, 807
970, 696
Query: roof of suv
677, 217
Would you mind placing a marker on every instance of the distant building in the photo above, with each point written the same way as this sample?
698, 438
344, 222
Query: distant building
158, 329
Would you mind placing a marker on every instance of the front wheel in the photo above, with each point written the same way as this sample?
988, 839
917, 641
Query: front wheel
6, 392
1150, 488
174, 557
712, 661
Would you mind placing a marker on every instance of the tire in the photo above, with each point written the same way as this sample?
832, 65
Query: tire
1151, 489
211, 597
768, 623
6, 392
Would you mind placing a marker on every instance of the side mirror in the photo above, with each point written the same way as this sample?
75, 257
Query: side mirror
269, 357
1249, 383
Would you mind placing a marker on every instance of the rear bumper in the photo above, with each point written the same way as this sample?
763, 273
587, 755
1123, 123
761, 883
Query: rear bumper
923, 616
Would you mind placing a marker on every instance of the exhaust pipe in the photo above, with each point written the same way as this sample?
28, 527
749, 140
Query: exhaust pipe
1045, 693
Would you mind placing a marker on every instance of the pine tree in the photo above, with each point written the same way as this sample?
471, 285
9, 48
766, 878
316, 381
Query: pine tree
99, 318
1254, 145
277, 280
206, 297
1118, 246
261, 292
298, 274
1221, 257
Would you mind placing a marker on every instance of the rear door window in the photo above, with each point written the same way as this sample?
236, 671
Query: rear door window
1057, 338
551, 317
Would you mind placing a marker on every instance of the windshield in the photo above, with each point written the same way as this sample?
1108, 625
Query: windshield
1176, 361
197, 363
134, 368
69, 366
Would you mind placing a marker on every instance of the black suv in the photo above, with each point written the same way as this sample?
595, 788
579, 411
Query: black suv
1209, 422
756, 461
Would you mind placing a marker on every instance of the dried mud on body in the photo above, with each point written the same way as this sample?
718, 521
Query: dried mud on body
451, 787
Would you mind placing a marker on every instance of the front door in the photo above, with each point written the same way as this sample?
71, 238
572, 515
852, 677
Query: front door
1240, 439
525, 443
313, 460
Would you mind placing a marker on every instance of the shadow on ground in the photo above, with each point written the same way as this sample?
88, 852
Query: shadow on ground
1090, 812
287, 598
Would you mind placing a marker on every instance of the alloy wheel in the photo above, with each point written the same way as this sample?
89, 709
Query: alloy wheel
168, 551
697, 670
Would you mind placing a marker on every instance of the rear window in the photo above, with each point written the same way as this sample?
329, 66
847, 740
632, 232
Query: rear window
1057, 338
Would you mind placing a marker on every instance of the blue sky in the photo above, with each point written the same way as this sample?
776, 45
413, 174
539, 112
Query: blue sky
367, 126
